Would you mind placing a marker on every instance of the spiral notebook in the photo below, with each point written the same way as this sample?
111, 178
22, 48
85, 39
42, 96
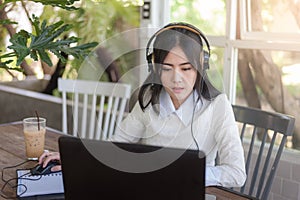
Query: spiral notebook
33, 185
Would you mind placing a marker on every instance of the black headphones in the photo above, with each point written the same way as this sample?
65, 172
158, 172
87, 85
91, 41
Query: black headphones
206, 54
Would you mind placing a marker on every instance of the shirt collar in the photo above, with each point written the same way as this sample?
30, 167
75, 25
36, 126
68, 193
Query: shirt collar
184, 112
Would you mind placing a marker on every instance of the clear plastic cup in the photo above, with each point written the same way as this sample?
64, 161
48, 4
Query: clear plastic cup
34, 134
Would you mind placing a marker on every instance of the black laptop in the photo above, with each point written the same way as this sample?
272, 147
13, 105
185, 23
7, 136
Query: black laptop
115, 171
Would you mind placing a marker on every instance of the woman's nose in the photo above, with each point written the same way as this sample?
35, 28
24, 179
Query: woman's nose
177, 77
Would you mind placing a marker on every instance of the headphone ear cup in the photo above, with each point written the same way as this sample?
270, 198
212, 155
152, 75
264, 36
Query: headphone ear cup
150, 65
205, 60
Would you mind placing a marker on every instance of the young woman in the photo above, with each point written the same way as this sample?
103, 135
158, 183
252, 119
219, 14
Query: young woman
179, 107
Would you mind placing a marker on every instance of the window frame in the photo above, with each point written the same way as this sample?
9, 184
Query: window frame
230, 42
248, 34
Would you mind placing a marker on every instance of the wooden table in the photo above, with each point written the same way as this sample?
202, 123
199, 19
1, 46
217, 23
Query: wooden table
12, 152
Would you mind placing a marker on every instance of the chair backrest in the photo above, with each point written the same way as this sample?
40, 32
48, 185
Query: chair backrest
261, 131
97, 107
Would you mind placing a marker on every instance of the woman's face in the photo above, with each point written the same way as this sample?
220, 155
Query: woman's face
178, 76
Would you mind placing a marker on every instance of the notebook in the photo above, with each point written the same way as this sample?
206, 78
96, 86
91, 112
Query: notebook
130, 171
29, 185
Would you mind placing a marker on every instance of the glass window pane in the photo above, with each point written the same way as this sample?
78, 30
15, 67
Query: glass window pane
215, 71
208, 17
277, 16
263, 76
269, 80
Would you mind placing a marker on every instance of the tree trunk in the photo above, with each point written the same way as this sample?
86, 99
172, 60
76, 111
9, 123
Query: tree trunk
59, 70
110, 65
295, 8
267, 76
11, 30
247, 80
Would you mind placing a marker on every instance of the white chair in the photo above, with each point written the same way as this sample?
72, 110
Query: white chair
93, 101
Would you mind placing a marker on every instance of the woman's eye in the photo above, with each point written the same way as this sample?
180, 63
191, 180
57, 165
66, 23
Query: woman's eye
186, 68
166, 69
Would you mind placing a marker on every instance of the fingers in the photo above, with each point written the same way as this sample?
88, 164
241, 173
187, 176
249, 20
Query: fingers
42, 157
46, 157
56, 168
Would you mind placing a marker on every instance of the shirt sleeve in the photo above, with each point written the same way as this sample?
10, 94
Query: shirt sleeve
230, 168
131, 129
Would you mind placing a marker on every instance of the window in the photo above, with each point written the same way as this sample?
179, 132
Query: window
255, 49
210, 18
273, 20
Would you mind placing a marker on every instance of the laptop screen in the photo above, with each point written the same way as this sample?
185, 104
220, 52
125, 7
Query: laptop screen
111, 170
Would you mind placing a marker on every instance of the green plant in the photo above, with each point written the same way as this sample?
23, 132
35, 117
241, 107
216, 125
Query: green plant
44, 39
99, 21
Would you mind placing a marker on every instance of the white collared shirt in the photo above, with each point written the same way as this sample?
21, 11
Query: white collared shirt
212, 124
183, 112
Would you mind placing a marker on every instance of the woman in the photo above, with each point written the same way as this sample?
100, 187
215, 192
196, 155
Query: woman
179, 107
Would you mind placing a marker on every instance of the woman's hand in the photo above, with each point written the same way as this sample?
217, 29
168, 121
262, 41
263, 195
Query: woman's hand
46, 157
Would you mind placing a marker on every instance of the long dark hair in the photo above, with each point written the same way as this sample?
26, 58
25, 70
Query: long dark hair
192, 46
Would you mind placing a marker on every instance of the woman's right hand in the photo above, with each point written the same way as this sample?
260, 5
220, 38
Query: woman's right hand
46, 157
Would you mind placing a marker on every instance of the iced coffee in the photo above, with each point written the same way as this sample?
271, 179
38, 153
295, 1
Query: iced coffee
34, 134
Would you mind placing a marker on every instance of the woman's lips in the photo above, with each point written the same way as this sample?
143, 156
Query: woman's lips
177, 89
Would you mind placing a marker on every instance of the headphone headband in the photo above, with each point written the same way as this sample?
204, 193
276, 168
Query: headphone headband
186, 27
206, 54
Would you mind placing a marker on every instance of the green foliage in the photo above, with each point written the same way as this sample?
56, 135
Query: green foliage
97, 21
91, 21
65, 4
7, 21
5, 64
46, 39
